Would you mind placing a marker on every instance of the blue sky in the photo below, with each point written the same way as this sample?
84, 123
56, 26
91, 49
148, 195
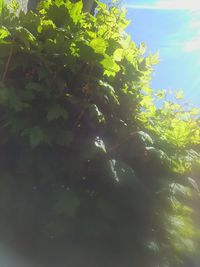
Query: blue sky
171, 27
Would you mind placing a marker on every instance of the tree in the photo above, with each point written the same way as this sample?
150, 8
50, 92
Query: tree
88, 5
93, 173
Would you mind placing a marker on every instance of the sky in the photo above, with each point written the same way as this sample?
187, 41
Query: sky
171, 27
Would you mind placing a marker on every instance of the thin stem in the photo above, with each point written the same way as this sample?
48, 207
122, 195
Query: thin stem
7, 64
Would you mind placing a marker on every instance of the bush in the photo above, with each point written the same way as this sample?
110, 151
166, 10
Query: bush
93, 172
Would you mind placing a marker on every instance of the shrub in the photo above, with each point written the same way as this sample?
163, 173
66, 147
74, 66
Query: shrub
90, 165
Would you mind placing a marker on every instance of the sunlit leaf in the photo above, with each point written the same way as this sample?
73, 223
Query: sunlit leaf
194, 184
75, 11
1, 6
99, 45
118, 54
160, 94
142, 48
179, 94
110, 66
3, 33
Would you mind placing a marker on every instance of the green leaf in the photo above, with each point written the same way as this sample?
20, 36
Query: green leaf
46, 27
36, 135
1, 6
193, 184
109, 90
146, 138
60, 16
28, 96
152, 59
142, 48
98, 142
178, 189
110, 66
123, 174
67, 203
106, 208
180, 133
101, 5
96, 113
147, 101
64, 138
3, 33
75, 11
4, 94
142, 66
14, 100
33, 86
30, 21
99, 45
157, 153
161, 94
195, 111
87, 53
23, 35
56, 112
118, 54
14, 6
179, 94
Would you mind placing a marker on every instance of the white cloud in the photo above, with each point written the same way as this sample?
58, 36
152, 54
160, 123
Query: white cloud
192, 45
189, 5
143, 6
195, 23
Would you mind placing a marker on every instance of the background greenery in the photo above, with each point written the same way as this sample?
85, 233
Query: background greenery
96, 168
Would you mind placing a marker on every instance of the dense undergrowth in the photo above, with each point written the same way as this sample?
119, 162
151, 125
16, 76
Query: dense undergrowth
94, 171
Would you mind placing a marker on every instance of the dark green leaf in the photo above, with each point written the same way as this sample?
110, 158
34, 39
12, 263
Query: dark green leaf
68, 203
56, 112
36, 135
64, 138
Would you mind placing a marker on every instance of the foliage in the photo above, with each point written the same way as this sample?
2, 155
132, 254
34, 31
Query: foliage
87, 156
